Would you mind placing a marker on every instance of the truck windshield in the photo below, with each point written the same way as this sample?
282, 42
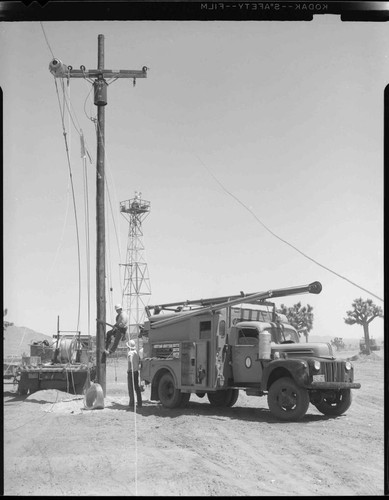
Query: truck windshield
289, 335
283, 334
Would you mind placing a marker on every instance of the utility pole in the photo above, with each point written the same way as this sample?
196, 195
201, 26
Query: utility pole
100, 85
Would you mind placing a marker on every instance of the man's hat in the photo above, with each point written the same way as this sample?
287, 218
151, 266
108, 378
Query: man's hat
131, 344
117, 307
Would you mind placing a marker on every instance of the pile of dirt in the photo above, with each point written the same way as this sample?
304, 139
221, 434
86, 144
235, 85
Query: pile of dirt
51, 396
53, 400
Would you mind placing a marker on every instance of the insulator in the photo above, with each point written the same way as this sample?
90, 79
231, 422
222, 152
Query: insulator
58, 68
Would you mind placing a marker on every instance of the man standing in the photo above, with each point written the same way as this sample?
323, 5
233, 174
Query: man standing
118, 331
133, 375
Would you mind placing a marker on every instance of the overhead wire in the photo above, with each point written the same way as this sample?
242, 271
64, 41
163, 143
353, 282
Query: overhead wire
62, 113
47, 41
87, 237
62, 235
281, 239
73, 118
73, 196
98, 133
77, 127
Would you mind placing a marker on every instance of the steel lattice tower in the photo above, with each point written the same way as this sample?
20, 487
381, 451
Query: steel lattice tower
136, 290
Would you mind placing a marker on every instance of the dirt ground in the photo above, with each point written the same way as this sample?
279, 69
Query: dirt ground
54, 446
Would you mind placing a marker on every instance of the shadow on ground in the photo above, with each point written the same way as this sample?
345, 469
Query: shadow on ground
155, 409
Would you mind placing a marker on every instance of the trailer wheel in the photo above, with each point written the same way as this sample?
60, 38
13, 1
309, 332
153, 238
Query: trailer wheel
21, 380
221, 398
287, 401
234, 397
168, 394
336, 404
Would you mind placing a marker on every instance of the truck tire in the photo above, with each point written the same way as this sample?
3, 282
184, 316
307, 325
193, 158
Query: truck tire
168, 394
185, 397
221, 398
287, 401
336, 405
234, 397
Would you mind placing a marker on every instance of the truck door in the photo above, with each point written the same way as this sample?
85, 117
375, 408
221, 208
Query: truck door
188, 356
202, 363
245, 366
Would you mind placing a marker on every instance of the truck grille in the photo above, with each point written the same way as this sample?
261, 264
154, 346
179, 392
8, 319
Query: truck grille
334, 371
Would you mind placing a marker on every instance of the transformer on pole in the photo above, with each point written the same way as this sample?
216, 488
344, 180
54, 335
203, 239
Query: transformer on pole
136, 289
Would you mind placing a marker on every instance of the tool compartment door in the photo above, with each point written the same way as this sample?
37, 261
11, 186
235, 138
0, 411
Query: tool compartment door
202, 363
188, 368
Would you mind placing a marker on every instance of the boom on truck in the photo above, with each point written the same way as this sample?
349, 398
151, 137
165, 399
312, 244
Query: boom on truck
221, 345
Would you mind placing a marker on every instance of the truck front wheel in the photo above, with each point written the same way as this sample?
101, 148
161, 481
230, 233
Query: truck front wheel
335, 404
287, 401
168, 394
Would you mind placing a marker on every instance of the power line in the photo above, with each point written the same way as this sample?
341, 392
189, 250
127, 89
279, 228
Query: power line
281, 239
47, 41
74, 202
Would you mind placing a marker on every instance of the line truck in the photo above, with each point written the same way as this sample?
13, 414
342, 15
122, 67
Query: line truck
219, 346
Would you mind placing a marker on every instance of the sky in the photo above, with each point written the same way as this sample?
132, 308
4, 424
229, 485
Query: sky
243, 136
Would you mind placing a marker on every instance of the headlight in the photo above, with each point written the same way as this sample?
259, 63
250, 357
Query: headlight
316, 365
276, 355
348, 366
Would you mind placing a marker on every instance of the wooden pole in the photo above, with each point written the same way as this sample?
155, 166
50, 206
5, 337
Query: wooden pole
100, 232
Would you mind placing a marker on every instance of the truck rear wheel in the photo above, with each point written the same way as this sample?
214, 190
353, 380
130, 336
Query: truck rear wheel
287, 401
185, 397
336, 404
221, 398
234, 397
168, 394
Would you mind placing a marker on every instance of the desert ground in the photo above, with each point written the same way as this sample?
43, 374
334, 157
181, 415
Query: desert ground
53, 445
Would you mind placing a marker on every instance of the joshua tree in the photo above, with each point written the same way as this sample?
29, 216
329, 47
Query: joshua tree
299, 317
363, 313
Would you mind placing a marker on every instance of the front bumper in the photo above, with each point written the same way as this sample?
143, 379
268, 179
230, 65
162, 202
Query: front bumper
333, 385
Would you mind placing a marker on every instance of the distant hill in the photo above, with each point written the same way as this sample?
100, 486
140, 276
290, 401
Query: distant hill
17, 340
